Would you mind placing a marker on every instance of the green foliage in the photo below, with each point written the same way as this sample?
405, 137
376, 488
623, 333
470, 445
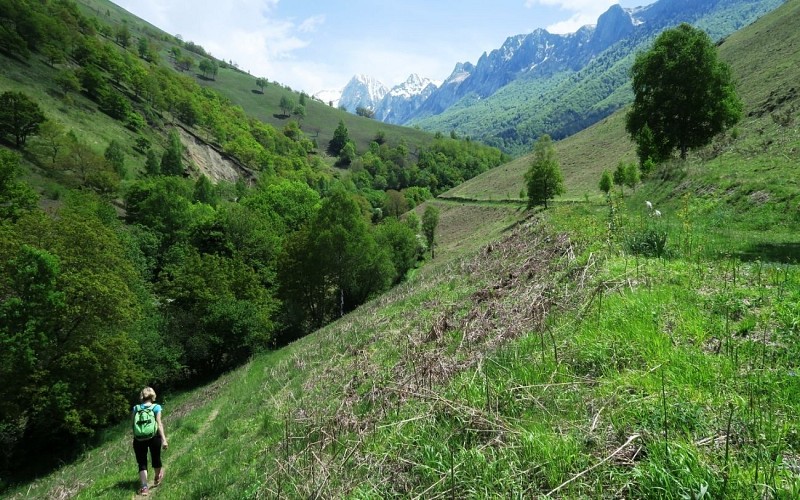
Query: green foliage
16, 198
430, 221
543, 180
172, 159
401, 241
204, 191
683, 94
115, 156
20, 117
339, 141
605, 182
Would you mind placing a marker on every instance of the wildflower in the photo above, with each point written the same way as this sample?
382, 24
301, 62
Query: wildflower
649, 205
657, 213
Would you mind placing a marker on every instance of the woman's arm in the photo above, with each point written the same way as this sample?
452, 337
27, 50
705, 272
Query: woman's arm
161, 430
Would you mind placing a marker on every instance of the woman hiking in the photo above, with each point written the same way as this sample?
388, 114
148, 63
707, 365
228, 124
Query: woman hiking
148, 434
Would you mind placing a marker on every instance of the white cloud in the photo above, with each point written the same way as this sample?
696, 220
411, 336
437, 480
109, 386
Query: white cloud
583, 12
247, 32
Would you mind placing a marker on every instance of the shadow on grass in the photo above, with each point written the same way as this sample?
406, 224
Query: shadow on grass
786, 253
127, 485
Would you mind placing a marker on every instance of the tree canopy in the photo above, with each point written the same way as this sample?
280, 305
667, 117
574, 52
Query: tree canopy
19, 116
684, 96
543, 179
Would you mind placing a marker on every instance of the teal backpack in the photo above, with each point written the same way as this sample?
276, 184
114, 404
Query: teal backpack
144, 423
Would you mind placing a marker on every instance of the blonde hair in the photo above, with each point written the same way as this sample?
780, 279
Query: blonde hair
147, 394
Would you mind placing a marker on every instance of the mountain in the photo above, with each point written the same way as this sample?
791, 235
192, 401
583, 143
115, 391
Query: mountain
362, 91
559, 84
329, 96
402, 102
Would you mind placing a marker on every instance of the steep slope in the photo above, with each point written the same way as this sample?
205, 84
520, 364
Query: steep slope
559, 84
534, 365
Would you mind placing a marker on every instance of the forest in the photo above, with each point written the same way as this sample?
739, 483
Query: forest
141, 270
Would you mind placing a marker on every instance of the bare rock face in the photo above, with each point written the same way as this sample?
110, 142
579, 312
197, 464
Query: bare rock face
209, 161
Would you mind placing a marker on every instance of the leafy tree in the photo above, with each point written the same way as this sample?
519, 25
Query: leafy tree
151, 165
430, 220
209, 68
543, 178
605, 182
16, 198
340, 139
261, 83
299, 112
67, 81
619, 176
632, 175
347, 155
123, 35
682, 93
303, 97
286, 105
172, 159
115, 156
51, 141
204, 191
401, 241
19, 117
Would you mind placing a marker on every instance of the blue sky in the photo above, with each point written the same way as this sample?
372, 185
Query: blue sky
314, 45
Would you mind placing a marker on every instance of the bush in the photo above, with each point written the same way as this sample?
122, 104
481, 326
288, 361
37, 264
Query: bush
650, 241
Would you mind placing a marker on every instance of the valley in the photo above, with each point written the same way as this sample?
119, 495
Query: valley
593, 349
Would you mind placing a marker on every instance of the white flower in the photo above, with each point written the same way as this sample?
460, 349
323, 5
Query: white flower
649, 205
657, 213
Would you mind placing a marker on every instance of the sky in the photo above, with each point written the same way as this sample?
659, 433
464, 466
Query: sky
315, 45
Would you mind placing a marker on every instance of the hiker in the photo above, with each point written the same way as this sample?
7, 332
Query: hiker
148, 433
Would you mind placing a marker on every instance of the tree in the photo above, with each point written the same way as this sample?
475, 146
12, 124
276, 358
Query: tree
209, 68
619, 177
286, 105
605, 182
430, 219
632, 175
340, 139
67, 81
123, 35
261, 83
115, 156
543, 178
299, 112
19, 117
16, 197
171, 160
151, 164
204, 191
682, 93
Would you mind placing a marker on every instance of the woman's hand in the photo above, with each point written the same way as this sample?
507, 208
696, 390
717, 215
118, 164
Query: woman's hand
164, 444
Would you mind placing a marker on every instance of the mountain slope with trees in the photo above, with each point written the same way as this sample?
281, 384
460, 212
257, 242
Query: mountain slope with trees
562, 359
520, 91
148, 219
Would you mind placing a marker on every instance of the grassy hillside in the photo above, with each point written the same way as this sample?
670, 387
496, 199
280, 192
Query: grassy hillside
572, 356
239, 86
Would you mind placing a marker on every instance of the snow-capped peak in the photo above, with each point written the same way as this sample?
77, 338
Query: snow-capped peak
414, 85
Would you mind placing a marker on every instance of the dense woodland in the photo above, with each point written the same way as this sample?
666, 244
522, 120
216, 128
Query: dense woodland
146, 272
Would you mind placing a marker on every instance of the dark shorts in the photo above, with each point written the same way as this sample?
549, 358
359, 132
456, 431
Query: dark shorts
140, 449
